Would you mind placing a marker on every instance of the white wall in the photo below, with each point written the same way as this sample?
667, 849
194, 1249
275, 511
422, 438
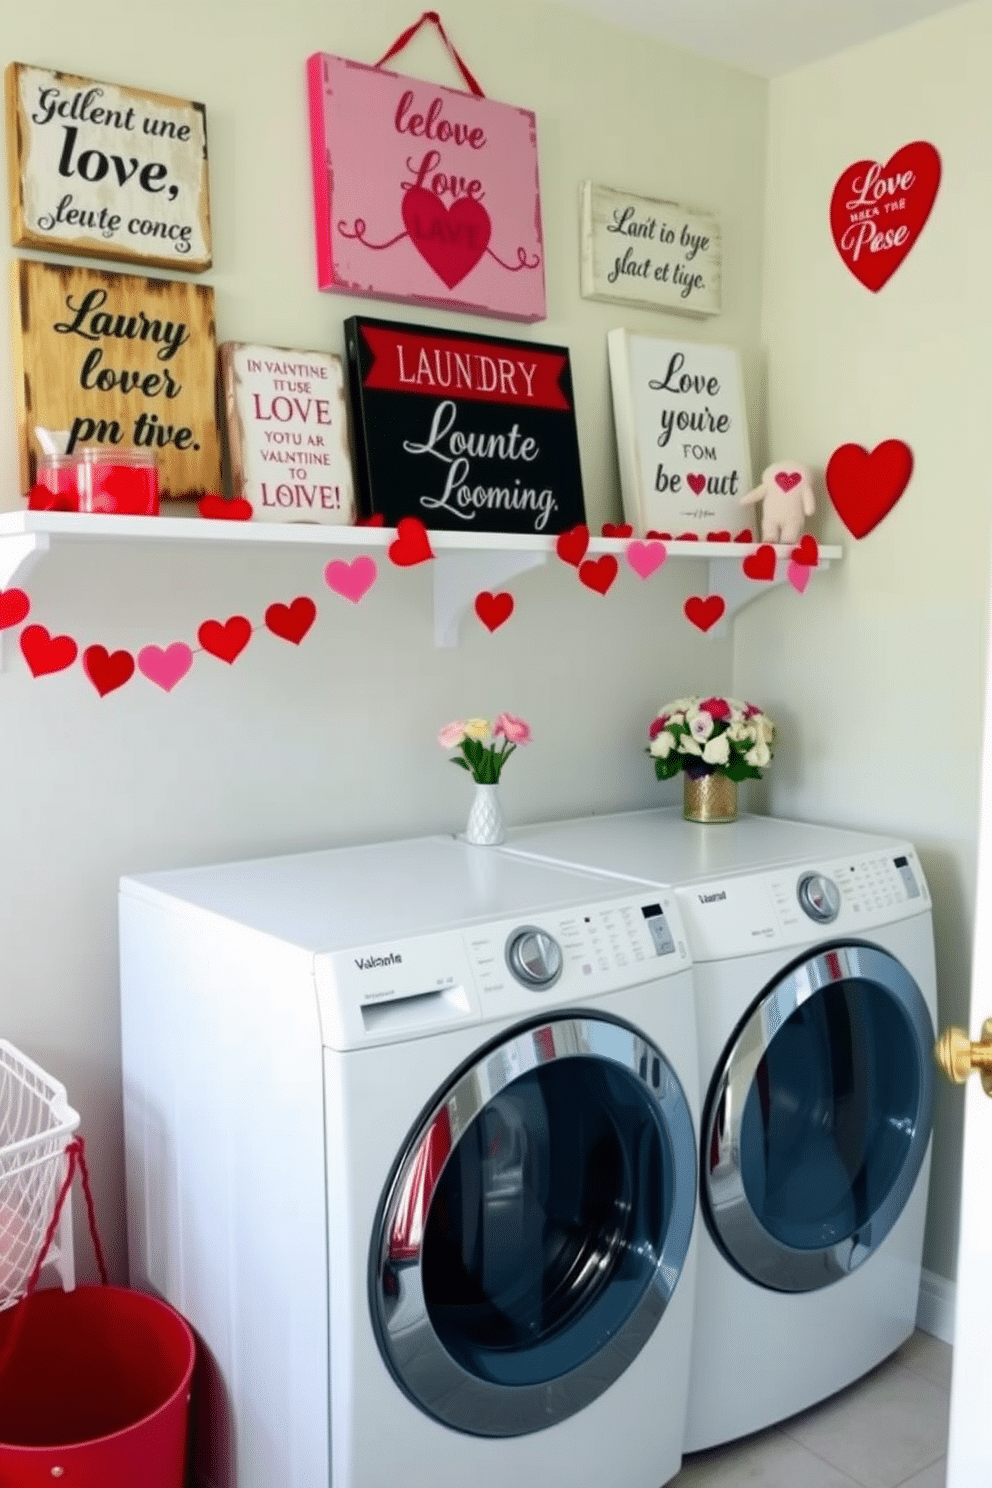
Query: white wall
878, 684
335, 742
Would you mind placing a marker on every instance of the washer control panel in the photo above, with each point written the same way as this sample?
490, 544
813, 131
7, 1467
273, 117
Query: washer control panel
818, 897
534, 957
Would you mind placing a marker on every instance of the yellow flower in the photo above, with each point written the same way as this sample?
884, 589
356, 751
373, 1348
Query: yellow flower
476, 728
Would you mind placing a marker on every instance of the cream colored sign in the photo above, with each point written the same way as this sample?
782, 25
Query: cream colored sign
639, 251
106, 171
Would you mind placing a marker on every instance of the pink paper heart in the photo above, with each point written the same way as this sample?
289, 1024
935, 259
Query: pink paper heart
798, 575
645, 558
351, 580
165, 667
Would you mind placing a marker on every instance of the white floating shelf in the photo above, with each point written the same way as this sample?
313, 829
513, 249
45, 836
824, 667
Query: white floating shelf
465, 562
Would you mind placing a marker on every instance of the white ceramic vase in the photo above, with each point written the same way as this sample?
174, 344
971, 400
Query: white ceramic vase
485, 826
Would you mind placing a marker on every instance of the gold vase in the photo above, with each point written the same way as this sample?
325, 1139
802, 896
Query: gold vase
709, 798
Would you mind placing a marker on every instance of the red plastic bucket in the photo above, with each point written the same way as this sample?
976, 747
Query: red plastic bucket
95, 1391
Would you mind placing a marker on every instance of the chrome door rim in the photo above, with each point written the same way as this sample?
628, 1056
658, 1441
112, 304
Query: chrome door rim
421, 1365
756, 1252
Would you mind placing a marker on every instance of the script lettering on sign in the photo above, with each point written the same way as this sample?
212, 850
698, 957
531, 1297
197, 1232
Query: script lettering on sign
641, 251
463, 432
288, 433
106, 171
681, 433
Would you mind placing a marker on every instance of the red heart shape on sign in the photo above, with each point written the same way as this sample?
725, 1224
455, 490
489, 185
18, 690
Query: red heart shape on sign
411, 545
877, 212
865, 487
494, 609
807, 553
14, 605
450, 239
598, 573
219, 510
571, 545
226, 640
696, 483
760, 565
107, 670
46, 653
704, 613
291, 622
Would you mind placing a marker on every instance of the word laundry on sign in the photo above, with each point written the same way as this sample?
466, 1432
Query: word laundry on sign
287, 433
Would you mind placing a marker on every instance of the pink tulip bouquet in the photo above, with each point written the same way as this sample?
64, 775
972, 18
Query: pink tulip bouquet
485, 748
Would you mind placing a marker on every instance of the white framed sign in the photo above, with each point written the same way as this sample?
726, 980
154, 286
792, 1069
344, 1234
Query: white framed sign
287, 433
681, 433
640, 251
106, 171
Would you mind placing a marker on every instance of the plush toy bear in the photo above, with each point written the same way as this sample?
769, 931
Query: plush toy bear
787, 493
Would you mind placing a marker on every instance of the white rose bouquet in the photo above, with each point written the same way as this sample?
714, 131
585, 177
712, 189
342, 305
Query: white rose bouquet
711, 736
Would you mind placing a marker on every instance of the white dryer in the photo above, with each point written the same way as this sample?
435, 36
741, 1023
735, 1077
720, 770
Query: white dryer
816, 1004
411, 1141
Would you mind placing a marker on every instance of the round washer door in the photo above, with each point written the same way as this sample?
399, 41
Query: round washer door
536, 1226
818, 1119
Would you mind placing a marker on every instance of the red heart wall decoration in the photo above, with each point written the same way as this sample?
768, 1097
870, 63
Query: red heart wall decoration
598, 573
291, 622
761, 563
704, 613
863, 486
14, 605
571, 545
411, 545
107, 670
877, 212
45, 653
494, 609
225, 639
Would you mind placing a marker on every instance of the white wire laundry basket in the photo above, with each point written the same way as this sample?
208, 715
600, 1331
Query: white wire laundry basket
36, 1127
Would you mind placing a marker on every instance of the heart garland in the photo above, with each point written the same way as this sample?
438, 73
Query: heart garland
864, 486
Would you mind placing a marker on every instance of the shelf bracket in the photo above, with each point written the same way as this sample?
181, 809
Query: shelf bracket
460, 576
728, 579
18, 555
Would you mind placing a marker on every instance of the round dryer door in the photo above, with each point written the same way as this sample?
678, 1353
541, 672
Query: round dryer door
536, 1226
818, 1119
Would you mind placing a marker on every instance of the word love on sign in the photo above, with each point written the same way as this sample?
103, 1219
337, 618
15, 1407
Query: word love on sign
105, 171
115, 360
287, 433
639, 251
424, 194
877, 212
466, 433
681, 433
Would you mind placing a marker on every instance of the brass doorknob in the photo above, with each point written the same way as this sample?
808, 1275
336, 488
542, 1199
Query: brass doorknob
958, 1056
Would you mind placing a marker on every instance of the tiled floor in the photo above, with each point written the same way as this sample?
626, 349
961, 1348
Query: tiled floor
887, 1431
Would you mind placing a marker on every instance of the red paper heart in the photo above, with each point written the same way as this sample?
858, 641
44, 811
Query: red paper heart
450, 239
493, 609
225, 639
291, 622
411, 545
107, 670
617, 529
46, 653
599, 573
687, 537
696, 483
375, 520
571, 545
807, 553
877, 212
745, 535
786, 479
660, 536
865, 487
704, 613
219, 510
14, 605
40, 498
718, 537
760, 565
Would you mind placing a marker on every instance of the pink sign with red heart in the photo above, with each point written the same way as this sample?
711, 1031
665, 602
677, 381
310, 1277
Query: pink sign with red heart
424, 194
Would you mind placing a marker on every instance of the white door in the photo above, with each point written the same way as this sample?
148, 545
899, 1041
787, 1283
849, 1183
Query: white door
969, 1454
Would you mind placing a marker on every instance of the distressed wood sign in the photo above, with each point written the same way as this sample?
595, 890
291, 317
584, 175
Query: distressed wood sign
117, 360
640, 251
287, 433
468, 433
424, 194
681, 434
106, 171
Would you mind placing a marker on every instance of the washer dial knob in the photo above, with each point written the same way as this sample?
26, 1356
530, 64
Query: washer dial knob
818, 897
534, 957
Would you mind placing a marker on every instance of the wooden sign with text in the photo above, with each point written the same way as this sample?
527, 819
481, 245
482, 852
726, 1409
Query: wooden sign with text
105, 171
287, 433
658, 254
117, 360
470, 433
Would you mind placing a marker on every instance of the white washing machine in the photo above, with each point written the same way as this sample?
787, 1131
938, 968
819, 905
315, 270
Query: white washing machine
411, 1141
816, 1004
